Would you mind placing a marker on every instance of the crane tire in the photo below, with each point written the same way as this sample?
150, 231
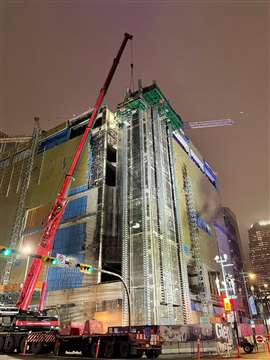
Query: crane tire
124, 349
108, 349
138, 354
21, 345
36, 347
2, 343
93, 348
9, 346
248, 348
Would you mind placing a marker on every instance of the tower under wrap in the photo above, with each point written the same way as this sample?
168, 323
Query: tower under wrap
152, 258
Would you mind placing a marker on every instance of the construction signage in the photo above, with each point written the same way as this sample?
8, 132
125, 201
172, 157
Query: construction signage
259, 339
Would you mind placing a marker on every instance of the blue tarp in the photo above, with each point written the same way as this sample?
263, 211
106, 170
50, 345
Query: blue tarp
52, 141
75, 208
68, 241
78, 189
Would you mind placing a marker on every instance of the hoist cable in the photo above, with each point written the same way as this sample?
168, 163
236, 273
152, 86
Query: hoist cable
131, 84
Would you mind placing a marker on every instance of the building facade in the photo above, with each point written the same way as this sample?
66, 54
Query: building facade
142, 204
234, 240
259, 251
88, 230
229, 243
168, 195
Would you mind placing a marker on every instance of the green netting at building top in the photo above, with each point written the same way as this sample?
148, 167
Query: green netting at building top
154, 97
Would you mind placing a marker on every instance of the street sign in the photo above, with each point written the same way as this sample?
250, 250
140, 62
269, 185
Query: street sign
259, 339
204, 320
230, 317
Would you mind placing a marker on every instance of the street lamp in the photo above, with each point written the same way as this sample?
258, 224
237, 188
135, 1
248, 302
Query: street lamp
252, 277
222, 260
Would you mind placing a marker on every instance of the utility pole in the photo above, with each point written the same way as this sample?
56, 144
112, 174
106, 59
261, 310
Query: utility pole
222, 261
249, 309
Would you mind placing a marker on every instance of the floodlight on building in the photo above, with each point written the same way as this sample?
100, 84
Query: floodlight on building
252, 276
263, 223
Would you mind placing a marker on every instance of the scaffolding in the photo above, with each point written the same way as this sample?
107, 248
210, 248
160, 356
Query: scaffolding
25, 177
151, 240
198, 266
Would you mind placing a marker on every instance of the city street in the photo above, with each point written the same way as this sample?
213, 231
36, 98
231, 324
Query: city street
134, 213
260, 356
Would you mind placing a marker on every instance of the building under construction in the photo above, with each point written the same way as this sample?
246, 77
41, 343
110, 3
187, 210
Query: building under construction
141, 204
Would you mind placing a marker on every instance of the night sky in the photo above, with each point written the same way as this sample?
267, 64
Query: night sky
210, 58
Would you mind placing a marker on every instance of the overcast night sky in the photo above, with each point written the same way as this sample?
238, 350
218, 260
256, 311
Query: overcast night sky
210, 59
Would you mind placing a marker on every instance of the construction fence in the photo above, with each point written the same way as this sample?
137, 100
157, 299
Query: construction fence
189, 339
216, 339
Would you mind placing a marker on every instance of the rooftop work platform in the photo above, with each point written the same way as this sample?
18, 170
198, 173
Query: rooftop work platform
152, 96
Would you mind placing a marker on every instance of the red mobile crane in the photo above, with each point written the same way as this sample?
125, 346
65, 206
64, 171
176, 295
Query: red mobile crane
54, 218
41, 331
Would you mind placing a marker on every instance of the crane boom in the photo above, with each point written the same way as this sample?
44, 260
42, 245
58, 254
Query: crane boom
15, 139
54, 218
207, 123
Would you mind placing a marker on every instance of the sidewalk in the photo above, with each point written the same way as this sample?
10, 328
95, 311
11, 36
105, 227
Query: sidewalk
261, 355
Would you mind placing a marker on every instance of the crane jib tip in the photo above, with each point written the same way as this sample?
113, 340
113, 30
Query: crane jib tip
129, 36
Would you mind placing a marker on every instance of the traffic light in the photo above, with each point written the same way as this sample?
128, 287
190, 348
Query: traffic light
85, 268
50, 260
227, 304
5, 251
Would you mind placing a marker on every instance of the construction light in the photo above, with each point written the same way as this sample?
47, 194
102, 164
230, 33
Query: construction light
252, 276
85, 268
5, 251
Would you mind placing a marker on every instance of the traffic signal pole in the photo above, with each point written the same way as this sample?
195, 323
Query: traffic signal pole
84, 268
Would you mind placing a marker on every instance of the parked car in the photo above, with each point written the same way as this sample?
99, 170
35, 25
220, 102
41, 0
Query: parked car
246, 346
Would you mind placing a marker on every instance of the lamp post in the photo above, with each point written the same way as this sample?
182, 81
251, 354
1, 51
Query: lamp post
252, 277
222, 260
